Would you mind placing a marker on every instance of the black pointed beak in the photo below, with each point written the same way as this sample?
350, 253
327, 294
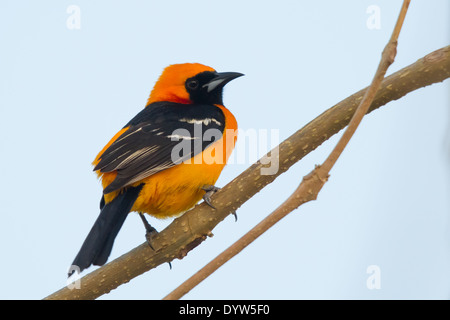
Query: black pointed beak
221, 79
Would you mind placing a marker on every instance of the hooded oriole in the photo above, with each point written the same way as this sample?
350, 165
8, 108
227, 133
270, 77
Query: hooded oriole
139, 169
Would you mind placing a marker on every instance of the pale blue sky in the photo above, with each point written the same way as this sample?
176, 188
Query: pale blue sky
64, 93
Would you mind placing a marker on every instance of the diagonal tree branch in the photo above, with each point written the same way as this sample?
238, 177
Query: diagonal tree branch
312, 183
189, 230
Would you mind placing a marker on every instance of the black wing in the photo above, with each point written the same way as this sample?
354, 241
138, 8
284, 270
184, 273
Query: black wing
161, 136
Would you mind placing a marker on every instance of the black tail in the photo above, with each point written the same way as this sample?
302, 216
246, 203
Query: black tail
99, 242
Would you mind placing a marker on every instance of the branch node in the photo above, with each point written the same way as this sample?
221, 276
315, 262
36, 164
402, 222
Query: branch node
184, 250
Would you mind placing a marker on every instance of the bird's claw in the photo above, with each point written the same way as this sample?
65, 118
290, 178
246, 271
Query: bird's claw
210, 190
235, 215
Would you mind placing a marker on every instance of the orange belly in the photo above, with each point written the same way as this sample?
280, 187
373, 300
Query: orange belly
173, 191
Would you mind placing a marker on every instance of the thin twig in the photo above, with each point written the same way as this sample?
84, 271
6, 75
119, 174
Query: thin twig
312, 183
387, 59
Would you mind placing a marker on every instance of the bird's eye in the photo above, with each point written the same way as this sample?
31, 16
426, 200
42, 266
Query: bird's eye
192, 84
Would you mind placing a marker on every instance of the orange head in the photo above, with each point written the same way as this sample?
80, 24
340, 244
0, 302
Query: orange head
191, 83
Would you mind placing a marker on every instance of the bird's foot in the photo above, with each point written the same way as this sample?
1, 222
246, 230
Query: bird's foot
150, 232
210, 190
